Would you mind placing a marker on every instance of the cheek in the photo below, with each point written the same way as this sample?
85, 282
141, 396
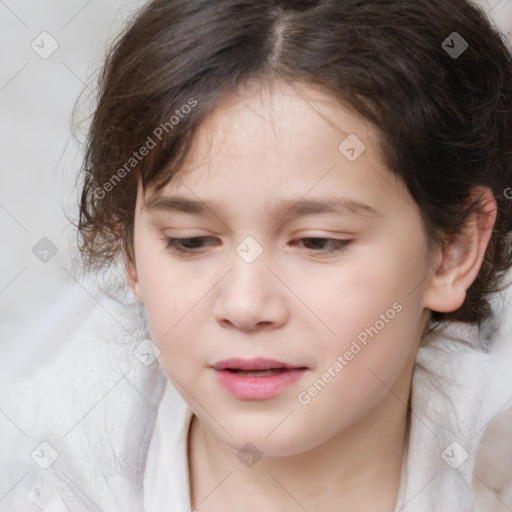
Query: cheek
169, 294
382, 274
375, 353
354, 376
172, 317
369, 317
171, 309
353, 297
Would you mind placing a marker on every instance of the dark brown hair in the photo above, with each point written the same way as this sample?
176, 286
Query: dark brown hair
444, 111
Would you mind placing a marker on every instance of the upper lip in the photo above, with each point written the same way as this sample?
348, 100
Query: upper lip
251, 364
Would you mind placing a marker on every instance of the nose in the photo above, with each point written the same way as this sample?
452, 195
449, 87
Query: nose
251, 297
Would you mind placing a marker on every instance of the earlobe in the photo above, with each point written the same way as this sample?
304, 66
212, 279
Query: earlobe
132, 279
462, 258
448, 283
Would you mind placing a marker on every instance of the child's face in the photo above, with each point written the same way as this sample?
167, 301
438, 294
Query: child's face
259, 287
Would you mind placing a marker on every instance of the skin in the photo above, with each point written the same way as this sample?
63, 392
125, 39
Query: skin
295, 303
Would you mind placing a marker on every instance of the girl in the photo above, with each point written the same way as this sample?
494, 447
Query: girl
309, 200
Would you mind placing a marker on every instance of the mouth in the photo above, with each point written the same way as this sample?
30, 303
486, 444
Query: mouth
256, 379
257, 373
254, 365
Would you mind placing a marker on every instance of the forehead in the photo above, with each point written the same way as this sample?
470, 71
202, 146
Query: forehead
271, 137
271, 118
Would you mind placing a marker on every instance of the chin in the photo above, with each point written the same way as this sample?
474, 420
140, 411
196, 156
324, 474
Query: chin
256, 438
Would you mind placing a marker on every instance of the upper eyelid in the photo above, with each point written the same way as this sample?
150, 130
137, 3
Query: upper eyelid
169, 239
202, 237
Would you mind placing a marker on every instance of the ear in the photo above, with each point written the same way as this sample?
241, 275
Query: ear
132, 278
461, 259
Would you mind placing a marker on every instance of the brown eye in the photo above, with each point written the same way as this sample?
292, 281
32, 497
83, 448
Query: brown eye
185, 245
319, 243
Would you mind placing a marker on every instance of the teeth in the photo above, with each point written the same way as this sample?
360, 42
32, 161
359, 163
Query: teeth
258, 373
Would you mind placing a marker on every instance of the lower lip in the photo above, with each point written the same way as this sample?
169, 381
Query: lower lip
258, 388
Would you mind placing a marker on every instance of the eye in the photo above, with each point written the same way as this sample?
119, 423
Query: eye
336, 246
184, 245
191, 245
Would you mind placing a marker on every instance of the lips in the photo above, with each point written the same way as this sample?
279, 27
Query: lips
245, 365
256, 379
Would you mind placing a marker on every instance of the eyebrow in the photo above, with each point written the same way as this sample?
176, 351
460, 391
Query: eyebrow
295, 208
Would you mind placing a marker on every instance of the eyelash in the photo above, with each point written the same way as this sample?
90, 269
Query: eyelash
172, 244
